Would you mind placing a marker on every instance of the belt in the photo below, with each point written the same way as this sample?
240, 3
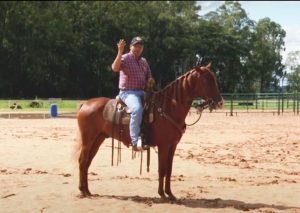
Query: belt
130, 89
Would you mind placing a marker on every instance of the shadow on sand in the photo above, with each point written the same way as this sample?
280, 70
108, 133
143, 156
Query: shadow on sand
200, 203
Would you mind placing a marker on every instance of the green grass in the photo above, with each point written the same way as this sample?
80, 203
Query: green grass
72, 105
44, 105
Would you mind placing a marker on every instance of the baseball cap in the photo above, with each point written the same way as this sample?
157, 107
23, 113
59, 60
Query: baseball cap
137, 40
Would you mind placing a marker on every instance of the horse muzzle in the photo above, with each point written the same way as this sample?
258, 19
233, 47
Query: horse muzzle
214, 103
217, 103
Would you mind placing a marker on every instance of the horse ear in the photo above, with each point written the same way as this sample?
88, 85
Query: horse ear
208, 66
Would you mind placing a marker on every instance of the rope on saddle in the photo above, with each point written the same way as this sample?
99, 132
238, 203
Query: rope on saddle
119, 142
120, 128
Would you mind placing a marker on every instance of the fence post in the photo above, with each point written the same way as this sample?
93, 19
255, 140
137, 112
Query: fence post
278, 105
297, 103
294, 103
256, 100
282, 103
247, 101
231, 106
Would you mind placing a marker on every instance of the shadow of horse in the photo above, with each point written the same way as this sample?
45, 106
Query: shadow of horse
217, 203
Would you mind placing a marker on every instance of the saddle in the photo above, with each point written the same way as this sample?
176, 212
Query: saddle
116, 112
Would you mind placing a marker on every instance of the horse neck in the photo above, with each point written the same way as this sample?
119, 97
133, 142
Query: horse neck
179, 95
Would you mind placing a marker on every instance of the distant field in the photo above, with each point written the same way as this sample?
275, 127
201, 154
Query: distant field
40, 105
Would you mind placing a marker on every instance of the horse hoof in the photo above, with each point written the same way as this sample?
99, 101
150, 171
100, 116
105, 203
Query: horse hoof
81, 196
162, 196
171, 197
85, 194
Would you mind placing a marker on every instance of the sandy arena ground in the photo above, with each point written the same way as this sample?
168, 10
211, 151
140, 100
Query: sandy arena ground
249, 162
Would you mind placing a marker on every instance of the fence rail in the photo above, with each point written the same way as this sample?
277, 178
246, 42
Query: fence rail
276, 103
262, 102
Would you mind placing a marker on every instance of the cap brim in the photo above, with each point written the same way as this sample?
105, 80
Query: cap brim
137, 42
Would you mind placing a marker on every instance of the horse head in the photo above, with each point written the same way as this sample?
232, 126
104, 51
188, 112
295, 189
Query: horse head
205, 86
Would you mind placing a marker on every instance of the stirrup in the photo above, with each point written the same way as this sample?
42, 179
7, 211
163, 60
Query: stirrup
138, 146
145, 145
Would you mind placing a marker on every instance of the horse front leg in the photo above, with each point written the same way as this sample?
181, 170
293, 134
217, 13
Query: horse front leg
169, 172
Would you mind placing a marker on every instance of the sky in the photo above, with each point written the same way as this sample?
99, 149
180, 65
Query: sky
284, 13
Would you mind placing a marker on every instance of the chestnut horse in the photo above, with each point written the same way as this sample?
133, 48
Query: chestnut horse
171, 106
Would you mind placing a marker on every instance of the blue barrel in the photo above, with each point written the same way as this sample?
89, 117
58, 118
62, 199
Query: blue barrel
53, 110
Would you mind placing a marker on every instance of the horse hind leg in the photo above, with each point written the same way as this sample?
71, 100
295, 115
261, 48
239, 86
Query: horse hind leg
97, 143
83, 169
87, 154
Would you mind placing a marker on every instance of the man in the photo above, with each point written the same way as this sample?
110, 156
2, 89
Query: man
134, 73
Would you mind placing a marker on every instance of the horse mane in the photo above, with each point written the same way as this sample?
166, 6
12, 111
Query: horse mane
177, 89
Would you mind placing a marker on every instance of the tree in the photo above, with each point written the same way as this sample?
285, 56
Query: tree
66, 48
265, 56
293, 63
233, 44
293, 60
294, 80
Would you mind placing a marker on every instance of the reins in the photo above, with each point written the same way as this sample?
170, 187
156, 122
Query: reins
200, 109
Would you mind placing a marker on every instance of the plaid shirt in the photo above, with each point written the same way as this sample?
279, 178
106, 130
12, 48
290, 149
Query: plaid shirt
133, 73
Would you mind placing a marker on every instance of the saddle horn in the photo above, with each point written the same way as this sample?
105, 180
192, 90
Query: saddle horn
208, 66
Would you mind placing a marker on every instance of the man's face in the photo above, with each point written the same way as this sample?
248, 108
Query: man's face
137, 49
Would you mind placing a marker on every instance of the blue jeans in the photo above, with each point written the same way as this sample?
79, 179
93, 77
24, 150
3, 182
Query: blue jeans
133, 100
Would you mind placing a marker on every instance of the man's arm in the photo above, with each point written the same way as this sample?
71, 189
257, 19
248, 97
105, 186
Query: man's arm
116, 65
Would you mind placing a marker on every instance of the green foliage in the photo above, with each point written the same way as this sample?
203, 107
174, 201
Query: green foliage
65, 49
265, 57
294, 80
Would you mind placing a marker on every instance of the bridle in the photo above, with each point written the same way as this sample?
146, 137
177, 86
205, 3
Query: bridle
161, 110
200, 108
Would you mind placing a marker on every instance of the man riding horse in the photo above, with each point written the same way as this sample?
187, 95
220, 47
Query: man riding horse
169, 108
134, 72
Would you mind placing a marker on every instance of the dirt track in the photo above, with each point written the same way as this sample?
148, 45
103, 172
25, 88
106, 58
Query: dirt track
222, 164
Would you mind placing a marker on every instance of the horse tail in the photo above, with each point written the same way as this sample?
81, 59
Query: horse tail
78, 142
77, 147
79, 106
